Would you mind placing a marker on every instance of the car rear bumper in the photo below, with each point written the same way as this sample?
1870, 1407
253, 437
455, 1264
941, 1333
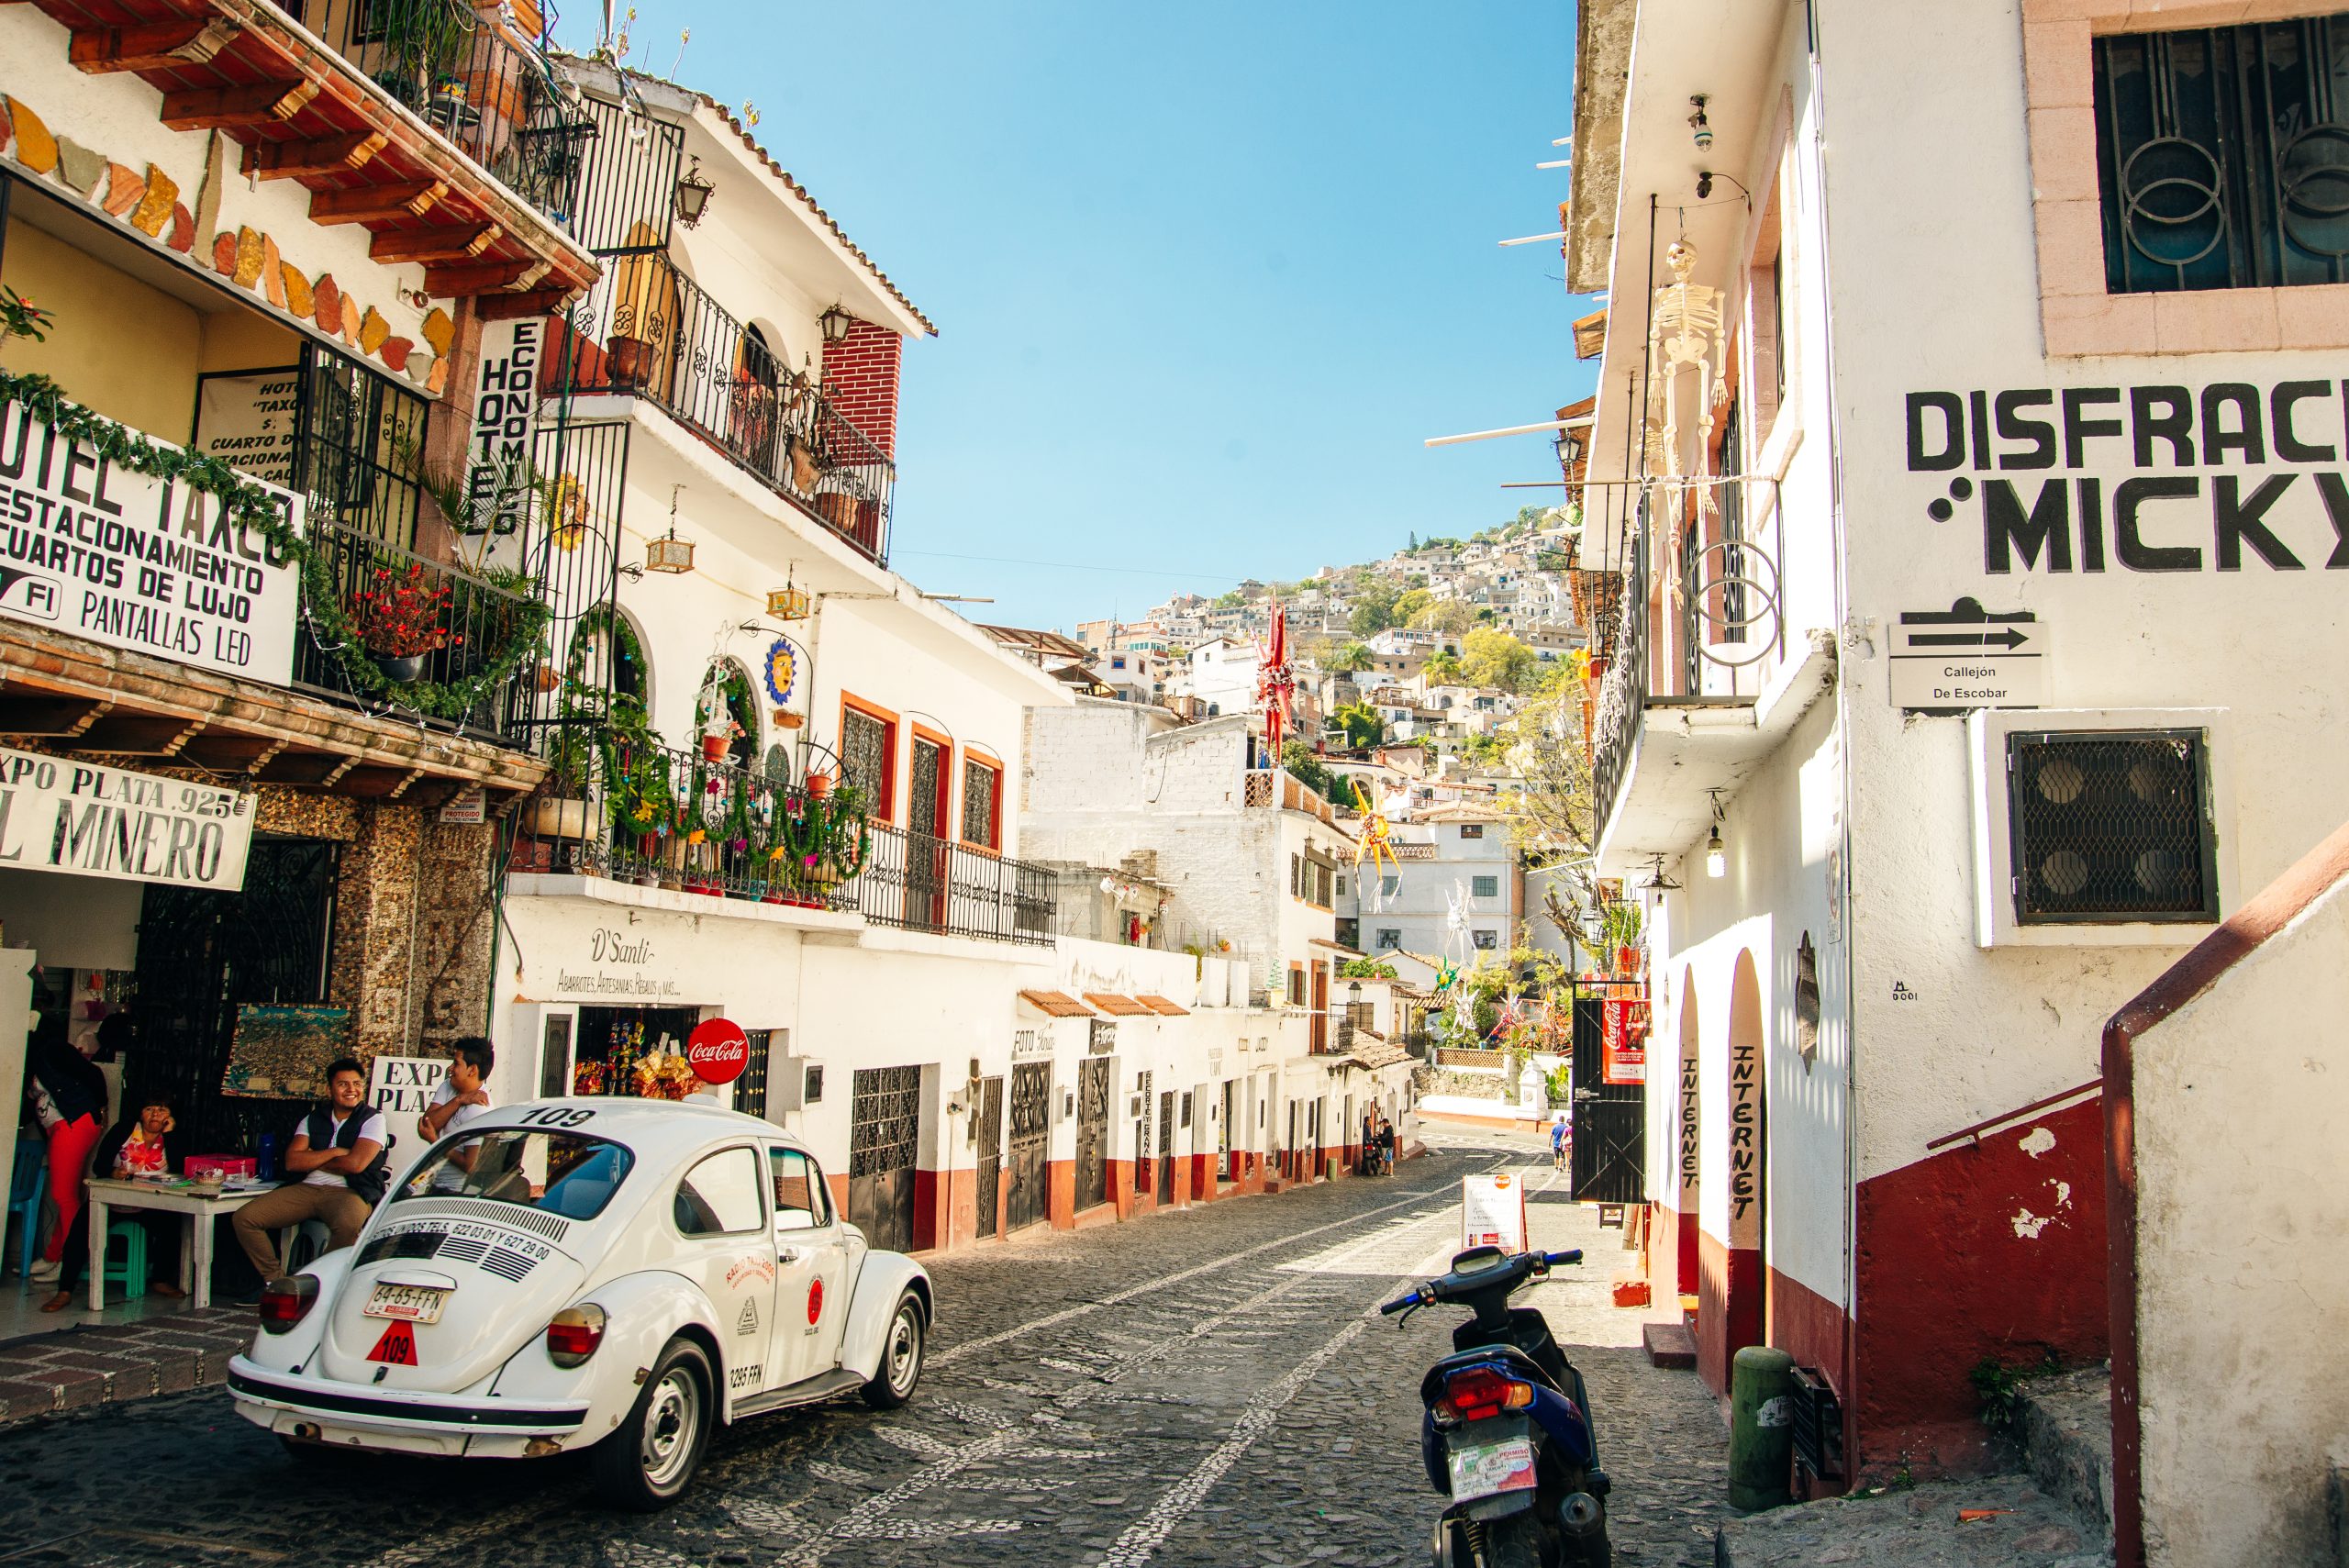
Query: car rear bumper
274, 1399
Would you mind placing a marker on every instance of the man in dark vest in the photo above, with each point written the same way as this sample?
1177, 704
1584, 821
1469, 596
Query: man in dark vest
338, 1154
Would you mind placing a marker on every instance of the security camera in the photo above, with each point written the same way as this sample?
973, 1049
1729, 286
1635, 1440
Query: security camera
1704, 183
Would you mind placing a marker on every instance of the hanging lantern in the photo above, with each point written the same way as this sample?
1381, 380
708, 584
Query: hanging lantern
669, 553
693, 196
788, 603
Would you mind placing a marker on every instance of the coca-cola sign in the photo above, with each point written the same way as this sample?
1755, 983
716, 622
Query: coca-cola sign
717, 1051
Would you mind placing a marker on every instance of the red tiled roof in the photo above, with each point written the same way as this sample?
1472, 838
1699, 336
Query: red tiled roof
1055, 1004
1115, 1005
1161, 1005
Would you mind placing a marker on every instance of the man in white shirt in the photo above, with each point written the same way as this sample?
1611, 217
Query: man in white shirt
337, 1153
462, 1095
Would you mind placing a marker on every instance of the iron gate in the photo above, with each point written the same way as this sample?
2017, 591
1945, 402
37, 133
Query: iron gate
1031, 1121
990, 1152
1143, 1150
1167, 1147
203, 953
1224, 1168
1092, 1131
1610, 1123
884, 1119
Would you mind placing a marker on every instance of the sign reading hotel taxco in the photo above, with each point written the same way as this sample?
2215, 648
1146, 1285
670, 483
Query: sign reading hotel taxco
136, 561
2228, 477
59, 815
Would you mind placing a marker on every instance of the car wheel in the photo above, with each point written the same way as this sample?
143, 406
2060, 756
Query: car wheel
649, 1458
892, 1382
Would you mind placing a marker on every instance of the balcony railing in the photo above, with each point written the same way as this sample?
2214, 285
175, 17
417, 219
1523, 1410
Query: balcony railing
648, 330
474, 620
475, 77
662, 818
1623, 691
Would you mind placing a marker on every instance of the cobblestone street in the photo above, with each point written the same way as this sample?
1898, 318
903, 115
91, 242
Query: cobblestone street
1211, 1386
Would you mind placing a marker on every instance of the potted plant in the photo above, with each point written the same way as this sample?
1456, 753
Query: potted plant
401, 618
561, 810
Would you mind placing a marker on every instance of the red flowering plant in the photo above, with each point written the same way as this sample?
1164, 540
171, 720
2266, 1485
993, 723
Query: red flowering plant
400, 615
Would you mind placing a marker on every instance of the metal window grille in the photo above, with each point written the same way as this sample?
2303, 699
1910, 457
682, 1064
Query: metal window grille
1472, 829
885, 1118
979, 785
1486, 886
864, 756
2110, 826
750, 1088
356, 456
1101, 1039
2221, 153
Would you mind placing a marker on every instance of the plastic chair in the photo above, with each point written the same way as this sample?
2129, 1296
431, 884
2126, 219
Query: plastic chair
27, 1186
131, 1273
307, 1244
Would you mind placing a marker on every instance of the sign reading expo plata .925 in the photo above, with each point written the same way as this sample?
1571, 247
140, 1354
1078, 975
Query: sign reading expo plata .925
136, 561
65, 816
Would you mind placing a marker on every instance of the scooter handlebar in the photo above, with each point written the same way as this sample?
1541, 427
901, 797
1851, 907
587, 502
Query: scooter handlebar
1554, 1259
1403, 1304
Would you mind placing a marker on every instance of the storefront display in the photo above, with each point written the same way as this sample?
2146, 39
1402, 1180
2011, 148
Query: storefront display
635, 1050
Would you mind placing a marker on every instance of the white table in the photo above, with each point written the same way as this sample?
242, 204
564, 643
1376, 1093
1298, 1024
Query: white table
203, 1205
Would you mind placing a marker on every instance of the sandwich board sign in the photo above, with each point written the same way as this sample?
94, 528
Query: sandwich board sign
1492, 1212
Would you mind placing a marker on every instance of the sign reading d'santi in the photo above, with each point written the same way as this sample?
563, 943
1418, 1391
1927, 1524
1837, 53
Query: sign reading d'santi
60, 815
136, 561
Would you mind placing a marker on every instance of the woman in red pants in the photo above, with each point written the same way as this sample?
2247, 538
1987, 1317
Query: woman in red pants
69, 1097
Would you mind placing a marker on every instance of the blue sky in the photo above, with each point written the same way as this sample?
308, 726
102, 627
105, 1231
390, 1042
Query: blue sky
1205, 274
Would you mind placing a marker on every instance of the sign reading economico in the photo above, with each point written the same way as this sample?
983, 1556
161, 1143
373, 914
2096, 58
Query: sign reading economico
136, 561
56, 814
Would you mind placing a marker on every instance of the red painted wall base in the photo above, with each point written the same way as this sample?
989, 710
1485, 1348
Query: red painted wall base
1729, 1310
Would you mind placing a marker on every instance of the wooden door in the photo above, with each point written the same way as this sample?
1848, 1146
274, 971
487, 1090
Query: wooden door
1031, 1117
1092, 1131
1167, 1147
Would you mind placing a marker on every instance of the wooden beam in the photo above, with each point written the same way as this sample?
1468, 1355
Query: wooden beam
303, 768
512, 306
210, 108
326, 155
382, 204
150, 46
482, 277
372, 782
54, 717
433, 244
224, 751
132, 735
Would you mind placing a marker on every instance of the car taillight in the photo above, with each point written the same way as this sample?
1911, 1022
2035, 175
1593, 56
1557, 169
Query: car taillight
1479, 1392
574, 1335
286, 1301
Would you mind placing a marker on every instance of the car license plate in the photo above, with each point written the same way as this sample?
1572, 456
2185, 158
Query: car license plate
1483, 1470
405, 1303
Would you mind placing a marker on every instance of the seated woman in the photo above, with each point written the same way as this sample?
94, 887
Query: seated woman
132, 1147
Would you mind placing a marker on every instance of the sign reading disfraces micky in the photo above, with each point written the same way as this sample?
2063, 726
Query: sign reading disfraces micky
65, 816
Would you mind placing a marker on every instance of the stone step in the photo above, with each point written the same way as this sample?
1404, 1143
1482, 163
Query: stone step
2064, 1427
1994, 1521
1669, 1344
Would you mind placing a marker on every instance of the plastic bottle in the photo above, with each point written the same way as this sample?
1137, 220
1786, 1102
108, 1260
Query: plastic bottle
265, 1162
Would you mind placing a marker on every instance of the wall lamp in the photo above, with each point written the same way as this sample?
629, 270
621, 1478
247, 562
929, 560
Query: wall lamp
1716, 857
693, 196
836, 325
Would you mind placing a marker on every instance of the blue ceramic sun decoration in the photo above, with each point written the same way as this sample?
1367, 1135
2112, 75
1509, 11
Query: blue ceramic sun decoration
782, 671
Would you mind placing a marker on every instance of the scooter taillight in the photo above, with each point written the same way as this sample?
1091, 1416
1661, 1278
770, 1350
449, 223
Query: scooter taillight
1477, 1392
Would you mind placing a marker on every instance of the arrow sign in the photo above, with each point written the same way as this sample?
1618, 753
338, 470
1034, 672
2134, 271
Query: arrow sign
2009, 638
1965, 612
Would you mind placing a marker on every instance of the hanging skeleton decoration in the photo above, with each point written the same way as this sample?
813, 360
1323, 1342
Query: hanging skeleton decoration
1275, 684
1456, 940
1686, 333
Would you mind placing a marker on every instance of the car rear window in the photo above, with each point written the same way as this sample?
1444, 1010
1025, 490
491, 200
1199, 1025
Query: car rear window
560, 1173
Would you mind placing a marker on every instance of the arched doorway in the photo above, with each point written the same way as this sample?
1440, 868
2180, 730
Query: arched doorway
1688, 1147
753, 414
723, 707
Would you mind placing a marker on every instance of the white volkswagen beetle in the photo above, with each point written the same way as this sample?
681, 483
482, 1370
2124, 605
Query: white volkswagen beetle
613, 1275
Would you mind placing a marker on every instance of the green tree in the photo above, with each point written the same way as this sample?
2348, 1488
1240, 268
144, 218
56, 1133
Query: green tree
1412, 604
1362, 724
1492, 658
1348, 659
1415, 538
1442, 669
1298, 758
1452, 617
1375, 610
1230, 601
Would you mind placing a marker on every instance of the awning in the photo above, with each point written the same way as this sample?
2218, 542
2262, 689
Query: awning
1115, 1005
1334, 947
1055, 1004
1373, 1057
1163, 1006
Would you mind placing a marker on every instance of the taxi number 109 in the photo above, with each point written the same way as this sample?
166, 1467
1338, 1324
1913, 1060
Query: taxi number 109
557, 1116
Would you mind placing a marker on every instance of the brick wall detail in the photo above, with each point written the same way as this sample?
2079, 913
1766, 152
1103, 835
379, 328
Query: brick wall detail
861, 373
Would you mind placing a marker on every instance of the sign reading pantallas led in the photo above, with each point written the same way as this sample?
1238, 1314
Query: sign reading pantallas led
139, 562
65, 816
2228, 477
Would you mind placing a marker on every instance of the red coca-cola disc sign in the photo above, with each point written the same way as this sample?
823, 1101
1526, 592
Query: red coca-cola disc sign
717, 1051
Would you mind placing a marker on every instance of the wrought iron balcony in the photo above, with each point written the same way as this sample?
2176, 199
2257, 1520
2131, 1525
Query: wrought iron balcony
476, 77
648, 330
924, 884
469, 625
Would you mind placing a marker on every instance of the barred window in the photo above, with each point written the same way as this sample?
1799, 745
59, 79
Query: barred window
1484, 887
2110, 826
982, 794
868, 757
1472, 829
2221, 155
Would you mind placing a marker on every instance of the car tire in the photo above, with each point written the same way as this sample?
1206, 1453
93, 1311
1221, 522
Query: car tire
892, 1382
649, 1458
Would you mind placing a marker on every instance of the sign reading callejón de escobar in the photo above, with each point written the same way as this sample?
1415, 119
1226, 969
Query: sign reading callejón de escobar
61, 815
136, 562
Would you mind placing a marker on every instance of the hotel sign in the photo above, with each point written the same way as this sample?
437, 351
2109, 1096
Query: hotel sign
139, 562
80, 817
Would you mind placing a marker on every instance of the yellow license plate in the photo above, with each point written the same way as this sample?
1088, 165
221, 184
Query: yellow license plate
405, 1303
